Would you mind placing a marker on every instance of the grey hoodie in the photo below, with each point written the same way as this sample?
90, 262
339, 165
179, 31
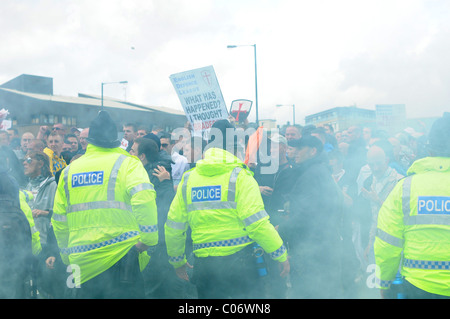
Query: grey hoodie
43, 190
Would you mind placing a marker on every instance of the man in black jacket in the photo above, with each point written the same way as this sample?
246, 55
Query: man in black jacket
160, 279
159, 173
15, 235
312, 229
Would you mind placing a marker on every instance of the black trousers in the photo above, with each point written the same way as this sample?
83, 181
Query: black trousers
224, 277
122, 281
412, 292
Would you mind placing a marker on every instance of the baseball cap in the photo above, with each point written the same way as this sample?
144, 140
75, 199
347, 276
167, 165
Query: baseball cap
307, 141
412, 132
277, 138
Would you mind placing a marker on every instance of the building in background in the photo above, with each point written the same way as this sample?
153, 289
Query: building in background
391, 117
342, 117
31, 104
268, 123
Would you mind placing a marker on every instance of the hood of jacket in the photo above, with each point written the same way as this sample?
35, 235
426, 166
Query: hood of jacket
91, 149
427, 164
217, 161
41, 181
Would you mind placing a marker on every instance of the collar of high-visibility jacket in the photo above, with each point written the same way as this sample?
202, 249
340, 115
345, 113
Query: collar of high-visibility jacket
97, 149
217, 161
438, 164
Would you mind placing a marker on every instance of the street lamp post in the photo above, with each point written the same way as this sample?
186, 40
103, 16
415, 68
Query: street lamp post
104, 83
293, 111
256, 77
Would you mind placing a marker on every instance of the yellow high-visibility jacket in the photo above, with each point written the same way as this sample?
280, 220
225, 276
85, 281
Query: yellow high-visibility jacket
103, 206
24, 197
415, 221
221, 202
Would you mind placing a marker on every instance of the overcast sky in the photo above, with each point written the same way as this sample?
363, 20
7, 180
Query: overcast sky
314, 54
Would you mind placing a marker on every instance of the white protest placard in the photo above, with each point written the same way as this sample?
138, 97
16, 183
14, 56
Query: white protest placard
123, 144
5, 125
200, 95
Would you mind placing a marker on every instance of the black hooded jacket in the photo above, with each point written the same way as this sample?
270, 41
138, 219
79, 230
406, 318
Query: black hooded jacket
315, 202
164, 192
312, 229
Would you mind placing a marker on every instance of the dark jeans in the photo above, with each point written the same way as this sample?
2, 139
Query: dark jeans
223, 277
412, 292
160, 279
51, 283
315, 276
122, 281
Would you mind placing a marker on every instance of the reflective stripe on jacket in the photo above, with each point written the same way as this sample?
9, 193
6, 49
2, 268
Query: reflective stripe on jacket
104, 205
414, 228
221, 202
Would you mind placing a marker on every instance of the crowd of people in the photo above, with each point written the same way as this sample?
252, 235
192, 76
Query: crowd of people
323, 197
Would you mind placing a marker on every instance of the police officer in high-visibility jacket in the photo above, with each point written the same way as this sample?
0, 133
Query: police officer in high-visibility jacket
414, 224
105, 218
220, 201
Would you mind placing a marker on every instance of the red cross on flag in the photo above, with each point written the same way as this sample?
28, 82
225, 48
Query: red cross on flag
240, 109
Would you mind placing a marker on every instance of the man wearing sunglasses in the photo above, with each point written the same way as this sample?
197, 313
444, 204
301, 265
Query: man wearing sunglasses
43, 187
59, 128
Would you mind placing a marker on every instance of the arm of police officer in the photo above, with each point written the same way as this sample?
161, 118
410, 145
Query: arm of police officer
143, 202
388, 245
175, 233
250, 208
59, 219
35, 240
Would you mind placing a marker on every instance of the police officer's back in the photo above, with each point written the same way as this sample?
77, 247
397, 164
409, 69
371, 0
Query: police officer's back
220, 201
104, 216
414, 226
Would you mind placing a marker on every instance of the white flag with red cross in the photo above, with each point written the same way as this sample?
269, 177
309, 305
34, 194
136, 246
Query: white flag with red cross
240, 109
